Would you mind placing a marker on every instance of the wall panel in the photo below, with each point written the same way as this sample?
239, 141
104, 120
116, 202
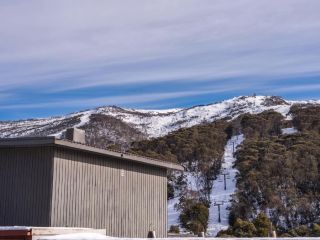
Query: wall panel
100, 192
25, 186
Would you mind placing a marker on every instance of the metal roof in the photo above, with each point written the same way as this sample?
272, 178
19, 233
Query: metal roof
52, 141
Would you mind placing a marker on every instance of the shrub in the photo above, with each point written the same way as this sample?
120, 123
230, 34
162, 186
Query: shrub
285, 235
170, 191
244, 229
301, 231
225, 233
194, 216
263, 225
315, 230
174, 229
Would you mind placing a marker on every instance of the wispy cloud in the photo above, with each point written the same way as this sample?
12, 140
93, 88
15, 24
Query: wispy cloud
103, 42
298, 88
120, 100
5, 97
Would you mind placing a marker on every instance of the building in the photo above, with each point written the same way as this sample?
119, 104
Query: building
55, 183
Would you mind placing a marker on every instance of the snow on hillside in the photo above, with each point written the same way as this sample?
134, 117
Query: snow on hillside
288, 131
152, 123
221, 193
155, 124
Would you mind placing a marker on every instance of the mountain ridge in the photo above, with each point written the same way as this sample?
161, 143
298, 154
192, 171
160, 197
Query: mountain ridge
108, 122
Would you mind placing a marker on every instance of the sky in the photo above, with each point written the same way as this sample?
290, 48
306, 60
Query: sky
63, 56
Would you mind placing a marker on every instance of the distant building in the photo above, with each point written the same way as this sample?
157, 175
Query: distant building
54, 183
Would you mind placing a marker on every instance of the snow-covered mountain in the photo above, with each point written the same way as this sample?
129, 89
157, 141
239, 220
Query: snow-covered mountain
120, 125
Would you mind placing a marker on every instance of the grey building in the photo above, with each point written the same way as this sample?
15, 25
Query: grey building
54, 183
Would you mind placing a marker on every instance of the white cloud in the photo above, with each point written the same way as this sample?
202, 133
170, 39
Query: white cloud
122, 99
102, 42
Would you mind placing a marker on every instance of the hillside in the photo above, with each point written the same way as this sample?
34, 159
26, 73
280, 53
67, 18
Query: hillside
109, 125
278, 172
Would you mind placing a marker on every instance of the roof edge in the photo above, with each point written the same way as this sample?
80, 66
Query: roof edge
27, 141
52, 141
119, 155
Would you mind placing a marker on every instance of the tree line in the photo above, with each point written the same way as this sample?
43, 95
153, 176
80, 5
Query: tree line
279, 175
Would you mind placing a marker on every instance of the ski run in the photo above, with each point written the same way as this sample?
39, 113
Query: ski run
219, 195
223, 189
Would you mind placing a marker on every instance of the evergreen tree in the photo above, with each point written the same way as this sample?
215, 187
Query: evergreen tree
244, 228
194, 216
263, 225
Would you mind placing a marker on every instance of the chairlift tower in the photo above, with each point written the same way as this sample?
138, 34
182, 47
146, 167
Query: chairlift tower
233, 146
226, 176
218, 204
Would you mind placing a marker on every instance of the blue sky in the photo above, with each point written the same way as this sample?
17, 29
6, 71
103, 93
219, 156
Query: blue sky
63, 56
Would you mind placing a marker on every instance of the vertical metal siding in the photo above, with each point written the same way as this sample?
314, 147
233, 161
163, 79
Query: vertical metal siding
89, 191
25, 186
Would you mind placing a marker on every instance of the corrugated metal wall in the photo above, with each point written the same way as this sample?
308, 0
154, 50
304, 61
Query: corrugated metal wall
124, 198
25, 186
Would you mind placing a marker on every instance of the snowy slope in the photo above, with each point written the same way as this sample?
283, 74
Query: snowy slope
150, 123
155, 124
219, 194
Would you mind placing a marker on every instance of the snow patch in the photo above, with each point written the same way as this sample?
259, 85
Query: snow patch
85, 118
173, 214
289, 131
14, 228
75, 236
